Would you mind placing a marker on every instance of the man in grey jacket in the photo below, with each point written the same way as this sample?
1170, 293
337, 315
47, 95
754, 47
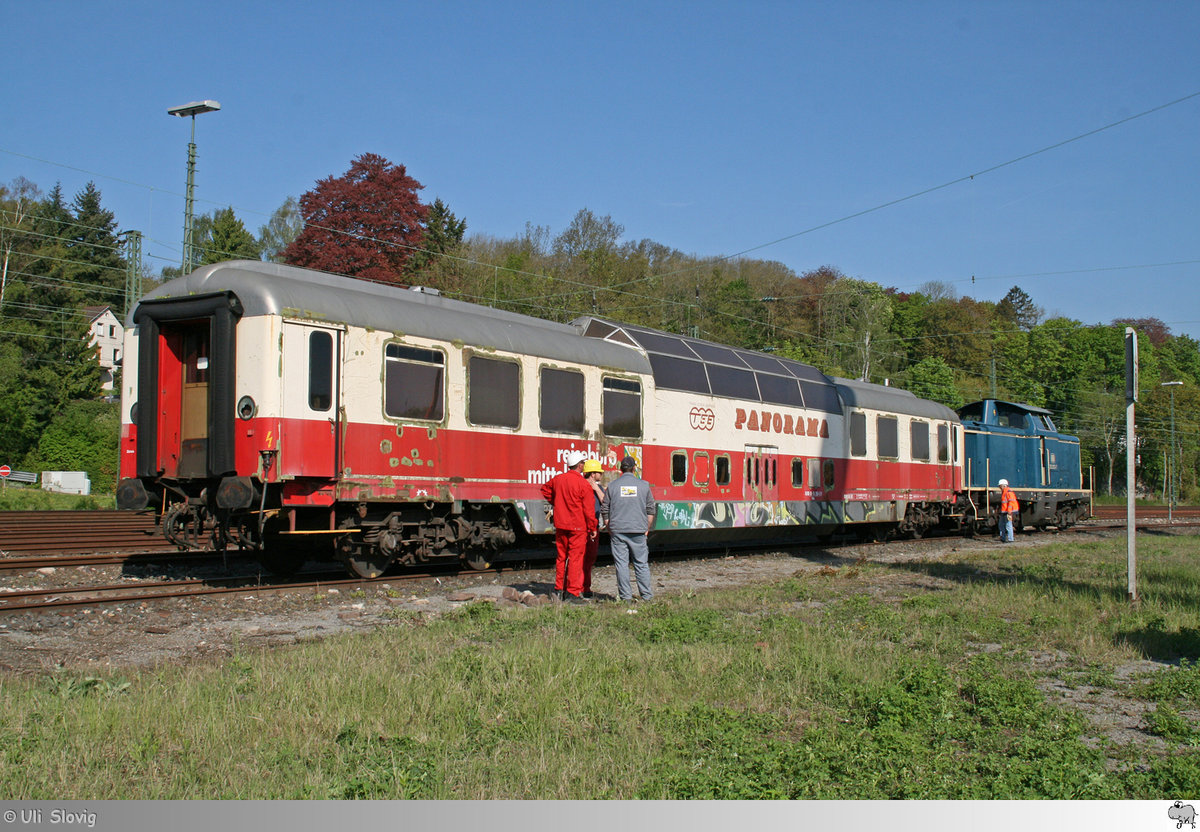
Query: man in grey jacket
630, 510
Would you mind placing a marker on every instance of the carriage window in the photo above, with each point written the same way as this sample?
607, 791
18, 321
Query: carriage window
320, 371
943, 443
622, 406
814, 473
678, 468
562, 401
919, 436
724, 470
858, 434
830, 475
887, 430
701, 468
797, 472
195, 352
493, 392
412, 383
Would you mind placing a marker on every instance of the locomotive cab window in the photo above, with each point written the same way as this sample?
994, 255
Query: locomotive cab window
858, 434
622, 407
679, 468
493, 392
887, 435
562, 401
919, 440
413, 383
1011, 417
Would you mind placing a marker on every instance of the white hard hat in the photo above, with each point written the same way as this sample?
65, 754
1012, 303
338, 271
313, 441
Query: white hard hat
1003, 482
575, 457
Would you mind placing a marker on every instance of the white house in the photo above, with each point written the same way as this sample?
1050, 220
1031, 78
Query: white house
105, 334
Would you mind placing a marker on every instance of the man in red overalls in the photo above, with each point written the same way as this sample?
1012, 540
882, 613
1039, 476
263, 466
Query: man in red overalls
574, 506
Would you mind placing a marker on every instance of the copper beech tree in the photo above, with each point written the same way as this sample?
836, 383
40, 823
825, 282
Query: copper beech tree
366, 223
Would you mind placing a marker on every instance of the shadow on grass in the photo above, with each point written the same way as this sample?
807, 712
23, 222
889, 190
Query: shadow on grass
1153, 640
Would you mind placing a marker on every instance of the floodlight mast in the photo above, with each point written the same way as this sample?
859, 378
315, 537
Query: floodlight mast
193, 109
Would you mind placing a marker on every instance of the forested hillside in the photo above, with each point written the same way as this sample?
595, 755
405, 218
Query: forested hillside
61, 256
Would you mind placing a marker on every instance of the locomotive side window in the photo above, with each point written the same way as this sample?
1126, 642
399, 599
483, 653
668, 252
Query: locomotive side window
493, 392
412, 383
858, 434
724, 470
678, 468
562, 401
943, 443
320, 371
1010, 417
887, 433
919, 437
622, 406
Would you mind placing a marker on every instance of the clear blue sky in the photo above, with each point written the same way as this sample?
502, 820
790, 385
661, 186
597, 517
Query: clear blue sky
713, 128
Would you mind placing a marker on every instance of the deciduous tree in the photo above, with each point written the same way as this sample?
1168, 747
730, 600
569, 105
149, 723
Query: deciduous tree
366, 223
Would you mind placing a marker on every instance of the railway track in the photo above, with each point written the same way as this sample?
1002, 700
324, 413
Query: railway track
1117, 512
40, 532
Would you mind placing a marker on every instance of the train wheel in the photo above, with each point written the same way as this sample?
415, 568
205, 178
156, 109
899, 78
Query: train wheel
363, 560
477, 559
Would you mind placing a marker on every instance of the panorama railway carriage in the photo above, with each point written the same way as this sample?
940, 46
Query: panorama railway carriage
298, 414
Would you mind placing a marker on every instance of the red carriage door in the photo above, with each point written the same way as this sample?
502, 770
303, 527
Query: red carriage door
183, 400
310, 401
760, 481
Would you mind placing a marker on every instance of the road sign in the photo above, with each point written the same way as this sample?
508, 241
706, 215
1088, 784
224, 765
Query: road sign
5, 471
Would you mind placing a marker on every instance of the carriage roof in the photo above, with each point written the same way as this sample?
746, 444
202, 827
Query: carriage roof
274, 289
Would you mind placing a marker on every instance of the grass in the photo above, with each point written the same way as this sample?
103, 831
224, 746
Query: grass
872, 681
21, 498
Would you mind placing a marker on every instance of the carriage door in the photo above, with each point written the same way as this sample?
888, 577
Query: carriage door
309, 439
183, 400
759, 474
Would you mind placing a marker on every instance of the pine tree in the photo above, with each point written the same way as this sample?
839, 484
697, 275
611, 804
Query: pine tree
228, 239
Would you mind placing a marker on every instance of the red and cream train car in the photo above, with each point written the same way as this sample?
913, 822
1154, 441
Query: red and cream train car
300, 414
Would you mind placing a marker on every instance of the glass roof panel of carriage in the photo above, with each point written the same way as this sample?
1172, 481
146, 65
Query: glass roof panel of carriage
765, 363
661, 342
806, 372
692, 365
715, 354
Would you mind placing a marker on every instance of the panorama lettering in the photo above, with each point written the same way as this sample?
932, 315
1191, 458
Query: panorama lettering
767, 421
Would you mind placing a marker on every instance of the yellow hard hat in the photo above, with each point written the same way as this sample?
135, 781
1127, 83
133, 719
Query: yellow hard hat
592, 466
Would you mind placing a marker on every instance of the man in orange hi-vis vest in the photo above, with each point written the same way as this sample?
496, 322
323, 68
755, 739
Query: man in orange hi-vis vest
1008, 512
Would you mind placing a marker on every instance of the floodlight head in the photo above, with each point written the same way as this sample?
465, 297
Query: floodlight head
194, 108
1171, 384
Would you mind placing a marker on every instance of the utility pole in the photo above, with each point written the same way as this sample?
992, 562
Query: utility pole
1171, 469
1131, 396
133, 269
